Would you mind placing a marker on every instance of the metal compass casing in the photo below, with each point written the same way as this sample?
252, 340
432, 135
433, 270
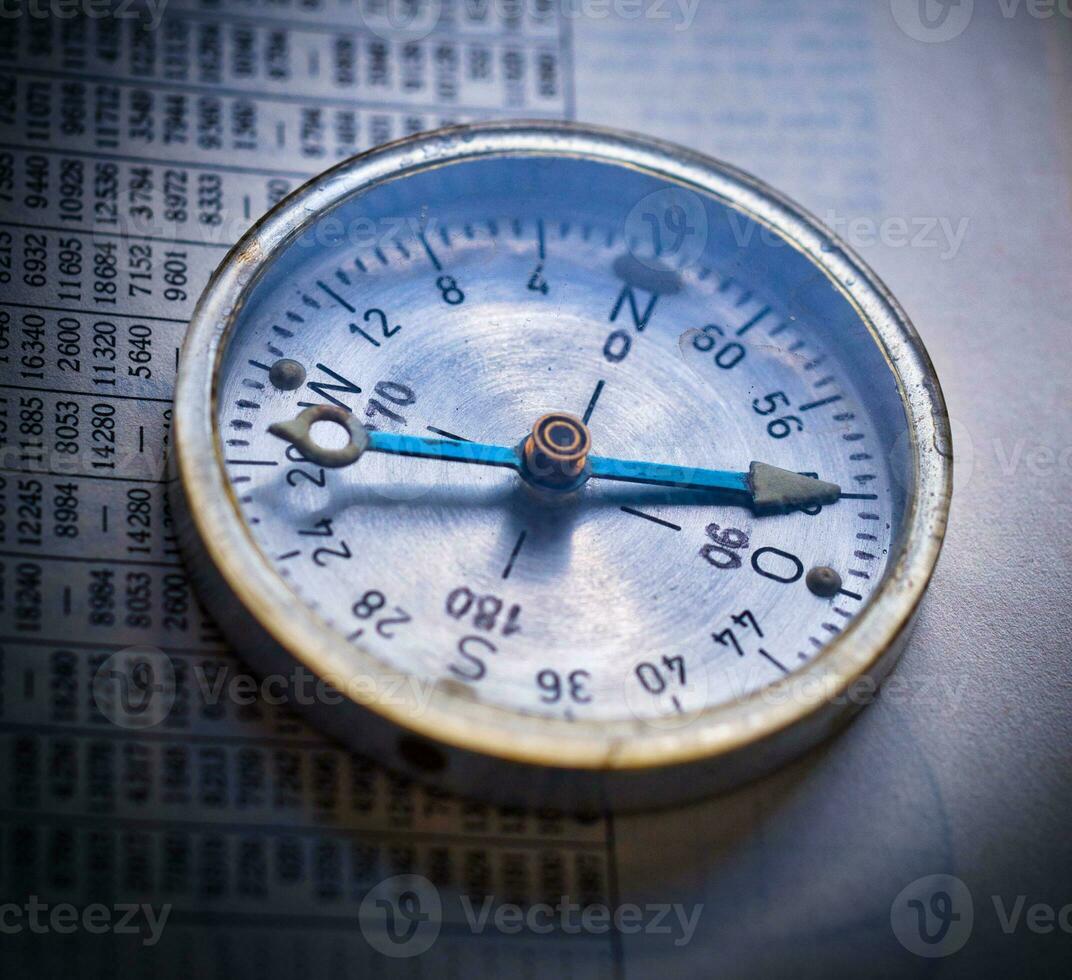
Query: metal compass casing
587, 470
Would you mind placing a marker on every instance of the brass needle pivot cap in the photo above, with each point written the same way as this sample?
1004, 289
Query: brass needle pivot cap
556, 452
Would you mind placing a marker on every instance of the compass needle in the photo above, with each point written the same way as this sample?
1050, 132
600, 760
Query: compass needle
545, 463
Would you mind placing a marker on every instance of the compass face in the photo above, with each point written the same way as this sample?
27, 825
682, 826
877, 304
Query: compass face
462, 302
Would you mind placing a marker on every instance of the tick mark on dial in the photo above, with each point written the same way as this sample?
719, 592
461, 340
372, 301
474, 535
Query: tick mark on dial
819, 403
432, 257
742, 330
447, 435
513, 554
349, 307
652, 518
592, 401
763, 653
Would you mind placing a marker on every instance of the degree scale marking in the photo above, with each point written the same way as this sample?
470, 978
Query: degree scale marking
742, 301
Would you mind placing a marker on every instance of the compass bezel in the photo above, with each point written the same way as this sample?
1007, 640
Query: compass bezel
467, 740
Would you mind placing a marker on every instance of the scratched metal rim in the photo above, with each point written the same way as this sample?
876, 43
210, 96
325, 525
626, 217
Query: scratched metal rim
804, 701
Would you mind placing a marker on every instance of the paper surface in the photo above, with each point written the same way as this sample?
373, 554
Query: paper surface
134, 157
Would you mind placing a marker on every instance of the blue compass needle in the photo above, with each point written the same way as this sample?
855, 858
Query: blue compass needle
555, 456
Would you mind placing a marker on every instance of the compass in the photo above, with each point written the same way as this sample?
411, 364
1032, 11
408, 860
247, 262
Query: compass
578, 468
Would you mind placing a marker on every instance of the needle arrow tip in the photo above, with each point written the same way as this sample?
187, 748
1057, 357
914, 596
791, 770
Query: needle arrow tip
776, 489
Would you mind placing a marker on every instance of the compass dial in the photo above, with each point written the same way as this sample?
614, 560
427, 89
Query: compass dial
563, 434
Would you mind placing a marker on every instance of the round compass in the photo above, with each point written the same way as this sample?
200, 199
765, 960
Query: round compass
575, 468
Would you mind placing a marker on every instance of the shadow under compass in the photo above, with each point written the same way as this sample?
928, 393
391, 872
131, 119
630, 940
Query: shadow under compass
538, 522
542, 505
